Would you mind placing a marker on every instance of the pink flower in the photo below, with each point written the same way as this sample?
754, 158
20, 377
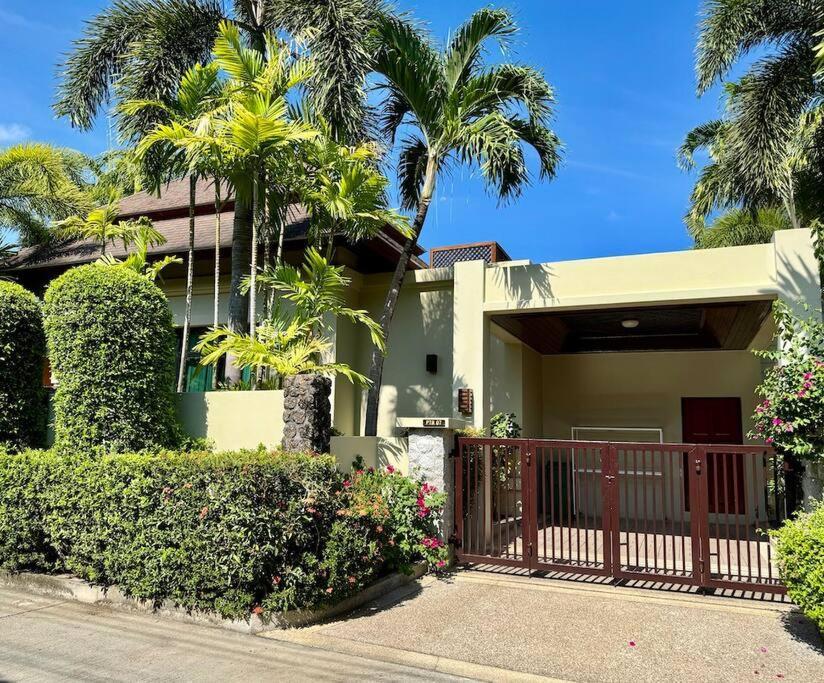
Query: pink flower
632, 643
808, 385
808, 375
788, 427
770, 441
347, 484
440, 563
777, 421
802, 393
390, 469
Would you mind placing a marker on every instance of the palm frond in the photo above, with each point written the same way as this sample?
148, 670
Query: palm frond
466, 47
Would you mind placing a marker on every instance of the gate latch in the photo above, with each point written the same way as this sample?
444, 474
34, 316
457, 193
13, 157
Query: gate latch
697, 466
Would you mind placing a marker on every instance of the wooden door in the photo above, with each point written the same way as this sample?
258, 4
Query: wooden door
717, 421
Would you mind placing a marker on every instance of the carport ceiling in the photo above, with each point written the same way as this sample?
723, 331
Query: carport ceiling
721, 326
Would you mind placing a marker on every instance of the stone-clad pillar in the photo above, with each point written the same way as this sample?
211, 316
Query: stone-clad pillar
307, 413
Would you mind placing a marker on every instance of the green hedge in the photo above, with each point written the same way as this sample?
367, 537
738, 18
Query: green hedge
231, 533
800, 552
22, 350
112, 349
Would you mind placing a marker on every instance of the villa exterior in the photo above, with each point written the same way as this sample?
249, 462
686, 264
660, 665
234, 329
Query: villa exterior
633, 379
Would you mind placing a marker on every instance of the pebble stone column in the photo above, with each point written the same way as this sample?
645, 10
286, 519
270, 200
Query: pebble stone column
307, 413
429, 451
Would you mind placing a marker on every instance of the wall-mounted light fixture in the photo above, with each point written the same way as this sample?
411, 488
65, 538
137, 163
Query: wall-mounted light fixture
629, 323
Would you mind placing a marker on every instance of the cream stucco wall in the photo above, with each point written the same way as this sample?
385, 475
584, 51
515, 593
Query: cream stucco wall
422, 325
642, 389
233, 419
377, 452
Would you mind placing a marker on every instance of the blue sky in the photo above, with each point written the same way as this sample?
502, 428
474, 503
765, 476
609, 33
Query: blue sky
624, 78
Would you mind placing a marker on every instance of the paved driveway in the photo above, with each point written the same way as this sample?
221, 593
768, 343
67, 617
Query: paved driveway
578, 632
42, 639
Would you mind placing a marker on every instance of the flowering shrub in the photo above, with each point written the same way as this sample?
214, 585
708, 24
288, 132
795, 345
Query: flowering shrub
791, 416
234, 533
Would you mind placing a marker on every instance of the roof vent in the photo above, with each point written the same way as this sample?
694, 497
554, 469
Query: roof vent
443, 257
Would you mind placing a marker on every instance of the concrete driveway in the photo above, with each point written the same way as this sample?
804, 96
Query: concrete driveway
577, 632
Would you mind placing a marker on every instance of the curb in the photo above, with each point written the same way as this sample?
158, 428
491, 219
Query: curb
66, 587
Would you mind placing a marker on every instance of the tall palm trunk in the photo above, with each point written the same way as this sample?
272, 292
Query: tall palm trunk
241, 255
190, 279
391, 302
258, 202
216, 316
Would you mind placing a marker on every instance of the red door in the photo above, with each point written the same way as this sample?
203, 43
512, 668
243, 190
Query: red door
717, 421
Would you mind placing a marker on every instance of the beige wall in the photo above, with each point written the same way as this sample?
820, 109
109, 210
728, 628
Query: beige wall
377, 452
233, 419
422, 325
641, 389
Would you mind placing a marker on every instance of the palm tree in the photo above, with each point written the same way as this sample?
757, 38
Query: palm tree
461, 111
39, 184
241, 126
344, 192
192, 108
774, 109
140, 50
102, 225
738, 227
293, 341
138, 261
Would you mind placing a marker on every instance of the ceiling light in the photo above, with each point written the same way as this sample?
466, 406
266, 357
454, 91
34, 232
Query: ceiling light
629, 323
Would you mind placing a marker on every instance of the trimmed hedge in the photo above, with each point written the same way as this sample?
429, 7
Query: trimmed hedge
233, 533
112, 349
22, 350
800, 553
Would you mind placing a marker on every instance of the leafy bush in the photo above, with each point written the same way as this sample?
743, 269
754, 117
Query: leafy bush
112, 349
503, 426
231, 532
800, 553
22, 350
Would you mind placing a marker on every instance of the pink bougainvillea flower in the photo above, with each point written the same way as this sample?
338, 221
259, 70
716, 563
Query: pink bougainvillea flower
390, 469
789, 427
347, 484
808, 375
802, 393
777, 421
440, 563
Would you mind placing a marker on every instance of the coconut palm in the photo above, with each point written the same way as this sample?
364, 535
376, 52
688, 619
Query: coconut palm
294, 341
456, 110
39, 184
140, 50
774, 108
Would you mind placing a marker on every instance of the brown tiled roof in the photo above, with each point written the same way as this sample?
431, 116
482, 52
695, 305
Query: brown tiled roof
174, 195
170, 214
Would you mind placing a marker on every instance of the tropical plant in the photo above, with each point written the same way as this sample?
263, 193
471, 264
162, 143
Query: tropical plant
102, 225
249, 134
294, 340
191, 110
40, 183
138, 259
459, 111
140, 50
770, 139
343, 191
738, 227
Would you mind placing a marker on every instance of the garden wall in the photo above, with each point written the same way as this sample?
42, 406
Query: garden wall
376, 451
233, 419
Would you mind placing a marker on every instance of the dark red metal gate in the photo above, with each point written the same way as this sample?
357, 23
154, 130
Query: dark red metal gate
673, 513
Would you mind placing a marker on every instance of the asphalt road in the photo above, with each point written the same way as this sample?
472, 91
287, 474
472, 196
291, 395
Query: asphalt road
46, 640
